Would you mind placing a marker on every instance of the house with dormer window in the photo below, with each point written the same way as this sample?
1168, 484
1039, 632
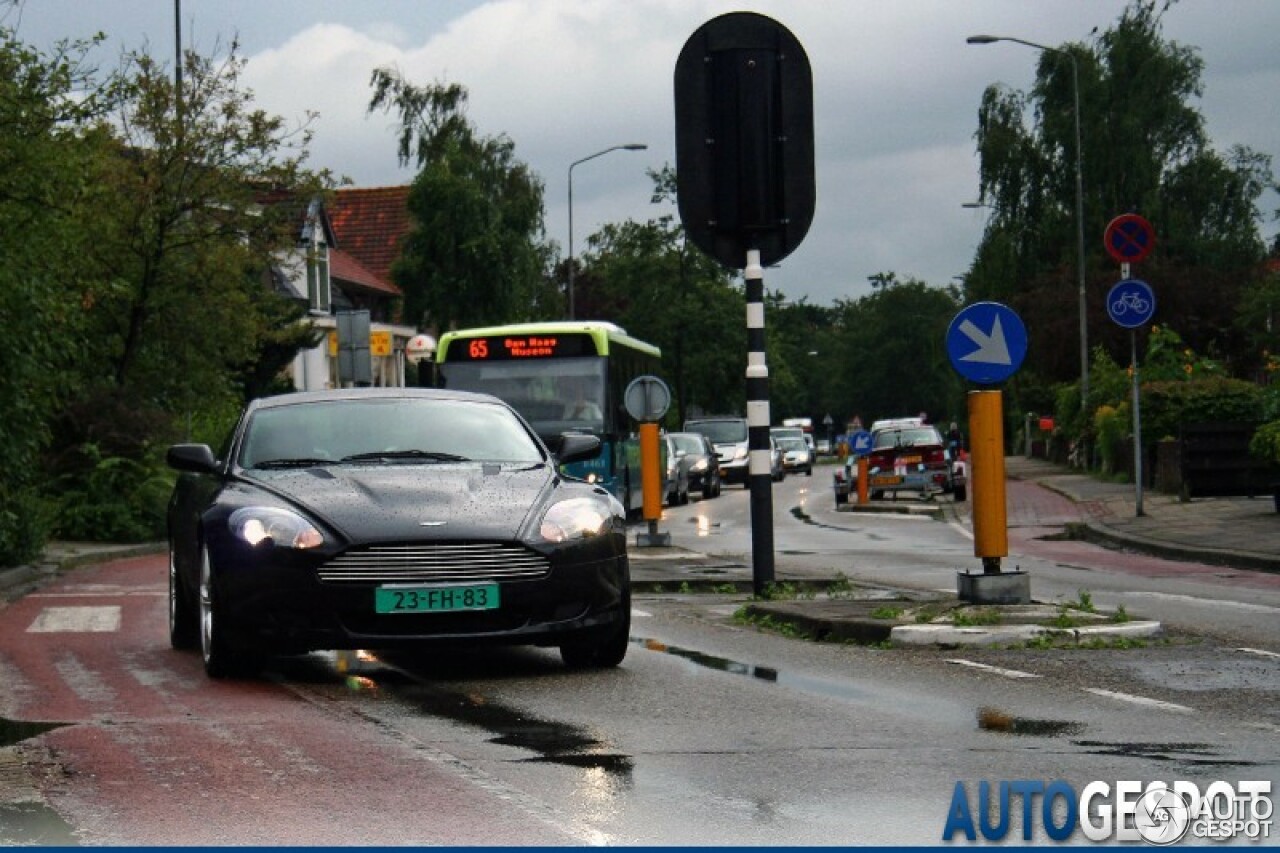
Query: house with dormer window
342, 262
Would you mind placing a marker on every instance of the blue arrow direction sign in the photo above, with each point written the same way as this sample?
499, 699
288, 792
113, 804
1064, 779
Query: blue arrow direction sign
1131, 303
860, 442
986, 342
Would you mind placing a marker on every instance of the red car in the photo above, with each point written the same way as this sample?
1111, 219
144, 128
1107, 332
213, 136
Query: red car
907, 456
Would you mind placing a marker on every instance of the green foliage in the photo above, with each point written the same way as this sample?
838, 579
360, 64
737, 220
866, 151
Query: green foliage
973, 617
1168, 405
1144, 149
891, 347
1265, 444
116, 500
647, 278
49, 111
1113, 428
476, 253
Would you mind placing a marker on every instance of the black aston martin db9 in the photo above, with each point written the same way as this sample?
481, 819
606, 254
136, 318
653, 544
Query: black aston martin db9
388, 517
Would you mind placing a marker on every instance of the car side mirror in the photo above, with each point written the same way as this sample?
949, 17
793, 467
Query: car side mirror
197, 458
576, 447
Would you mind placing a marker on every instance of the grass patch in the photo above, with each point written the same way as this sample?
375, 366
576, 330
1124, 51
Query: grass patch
886, 612
976, 617
840, 587
765, 622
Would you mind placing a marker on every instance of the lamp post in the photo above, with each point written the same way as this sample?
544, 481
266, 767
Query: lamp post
634, 146
1075, 87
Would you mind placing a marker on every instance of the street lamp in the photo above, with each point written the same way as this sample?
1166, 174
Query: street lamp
634, 146
1075, 86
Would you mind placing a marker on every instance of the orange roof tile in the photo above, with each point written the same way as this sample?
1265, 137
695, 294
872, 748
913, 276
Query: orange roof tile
368, 224
346, 268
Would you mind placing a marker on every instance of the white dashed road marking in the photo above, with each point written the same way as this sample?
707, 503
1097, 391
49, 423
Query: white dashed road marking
76, 620
1140, 700
1007, 673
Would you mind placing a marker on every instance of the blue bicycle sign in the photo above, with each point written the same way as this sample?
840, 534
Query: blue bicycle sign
1131, 303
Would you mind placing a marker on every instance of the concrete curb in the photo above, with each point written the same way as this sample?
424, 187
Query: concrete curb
63, 557
948, 635
1101, 534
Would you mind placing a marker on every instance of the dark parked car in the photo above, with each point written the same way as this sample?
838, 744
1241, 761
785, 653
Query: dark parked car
378, 518
697, 457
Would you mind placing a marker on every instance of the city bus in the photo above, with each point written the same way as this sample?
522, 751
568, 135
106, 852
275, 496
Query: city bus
562, 377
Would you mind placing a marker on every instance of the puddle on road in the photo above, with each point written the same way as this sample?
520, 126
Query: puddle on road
994, 720
29, 823
34, 825
805, 683
1194, 754
12, 731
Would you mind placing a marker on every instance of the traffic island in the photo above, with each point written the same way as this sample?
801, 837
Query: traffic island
947, 623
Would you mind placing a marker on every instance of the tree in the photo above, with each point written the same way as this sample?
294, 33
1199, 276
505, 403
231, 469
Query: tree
47, 147
476, 254
1144, 150
892, 351
647, 278
197, 205
189, 210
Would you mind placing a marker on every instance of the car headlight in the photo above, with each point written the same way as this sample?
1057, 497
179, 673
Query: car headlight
576, 518
700, 465
283, 527
741, 453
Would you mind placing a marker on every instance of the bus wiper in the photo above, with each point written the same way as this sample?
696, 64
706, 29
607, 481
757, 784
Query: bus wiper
425, 455
298, 462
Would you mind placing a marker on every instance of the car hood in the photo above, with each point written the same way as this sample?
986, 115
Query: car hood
381, 503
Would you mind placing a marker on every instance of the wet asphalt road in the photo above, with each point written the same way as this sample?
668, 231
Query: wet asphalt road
712, 731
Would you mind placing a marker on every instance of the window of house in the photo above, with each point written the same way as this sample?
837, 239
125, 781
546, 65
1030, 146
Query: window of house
318, 283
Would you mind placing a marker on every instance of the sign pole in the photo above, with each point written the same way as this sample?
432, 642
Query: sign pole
1137, 427
760, 470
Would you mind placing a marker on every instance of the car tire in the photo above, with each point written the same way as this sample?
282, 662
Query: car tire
184, 619
221, 658
600, 649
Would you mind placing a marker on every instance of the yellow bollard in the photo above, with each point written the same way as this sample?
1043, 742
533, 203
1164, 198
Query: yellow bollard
986, 475
862, 479
650, 471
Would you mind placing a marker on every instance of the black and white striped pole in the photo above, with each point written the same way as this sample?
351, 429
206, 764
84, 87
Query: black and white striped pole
745, 188
760, 469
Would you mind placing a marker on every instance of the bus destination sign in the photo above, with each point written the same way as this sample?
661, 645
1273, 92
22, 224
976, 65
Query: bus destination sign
515, 347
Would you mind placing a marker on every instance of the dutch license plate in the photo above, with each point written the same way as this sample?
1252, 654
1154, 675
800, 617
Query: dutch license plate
435, 599
886, 480
909, 460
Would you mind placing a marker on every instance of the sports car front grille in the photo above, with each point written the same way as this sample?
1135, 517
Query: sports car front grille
445, 562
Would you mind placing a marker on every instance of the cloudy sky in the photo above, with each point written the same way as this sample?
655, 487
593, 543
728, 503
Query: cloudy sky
896, 93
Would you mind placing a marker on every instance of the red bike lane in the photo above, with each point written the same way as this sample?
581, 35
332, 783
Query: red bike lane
148, 751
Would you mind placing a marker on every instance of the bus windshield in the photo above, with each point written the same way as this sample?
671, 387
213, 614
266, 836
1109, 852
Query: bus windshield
553, 395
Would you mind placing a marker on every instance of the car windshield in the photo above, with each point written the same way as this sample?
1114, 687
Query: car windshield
688, 443
382, 430
792, 444
722, 432
915, 437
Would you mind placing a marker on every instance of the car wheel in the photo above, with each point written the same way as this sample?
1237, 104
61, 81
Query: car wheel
960, 493
184, 624
221, 659
808, 472
600, 649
